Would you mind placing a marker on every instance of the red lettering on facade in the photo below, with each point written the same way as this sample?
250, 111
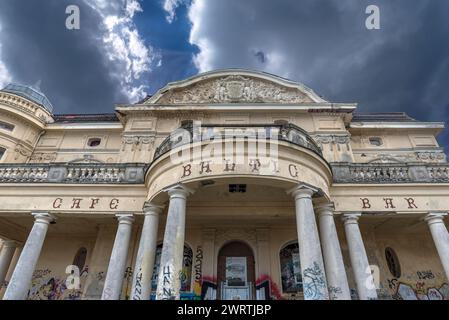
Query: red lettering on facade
411, 203
365, 203
389, 203
205, 167
293, 170
57, 203
114, 204
94, 202
187, 171
229, 167
76, 203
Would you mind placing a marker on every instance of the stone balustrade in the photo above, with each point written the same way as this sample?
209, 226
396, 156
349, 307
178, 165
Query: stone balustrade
390, 173
72, 173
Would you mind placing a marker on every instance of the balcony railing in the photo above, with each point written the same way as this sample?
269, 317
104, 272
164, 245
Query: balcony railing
390, 173
72, 173
189, 133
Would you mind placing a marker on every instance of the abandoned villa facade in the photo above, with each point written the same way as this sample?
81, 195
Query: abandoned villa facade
232, 184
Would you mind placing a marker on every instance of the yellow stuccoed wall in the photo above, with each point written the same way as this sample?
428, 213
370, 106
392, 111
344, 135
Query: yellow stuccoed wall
422, 273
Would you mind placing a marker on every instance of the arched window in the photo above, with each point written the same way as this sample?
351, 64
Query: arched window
393, 262
291, 269
80, 258
186, 273
2, 152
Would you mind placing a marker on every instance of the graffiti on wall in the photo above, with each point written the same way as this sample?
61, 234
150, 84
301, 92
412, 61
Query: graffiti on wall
45, 286
95, 287
209, 288
419, 286
267, 289
186, 272
314, 283
198, 267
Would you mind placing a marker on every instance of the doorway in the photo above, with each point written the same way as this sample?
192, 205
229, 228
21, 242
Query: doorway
236, 272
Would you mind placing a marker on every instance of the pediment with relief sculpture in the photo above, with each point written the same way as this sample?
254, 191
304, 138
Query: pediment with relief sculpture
234, 86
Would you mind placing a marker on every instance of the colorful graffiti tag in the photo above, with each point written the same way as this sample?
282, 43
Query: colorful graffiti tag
420, 286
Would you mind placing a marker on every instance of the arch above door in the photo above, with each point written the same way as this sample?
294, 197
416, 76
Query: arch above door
236, 272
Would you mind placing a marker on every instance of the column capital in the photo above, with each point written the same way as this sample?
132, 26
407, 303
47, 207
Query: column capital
125, 218
11, 244
351, 218
179, 191
43, 217
302, 191
152, 209
326, 209
435, 217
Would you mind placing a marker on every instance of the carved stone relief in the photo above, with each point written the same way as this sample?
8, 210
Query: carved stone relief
20, 150
43, 157
232, 89
333, 140
138, 143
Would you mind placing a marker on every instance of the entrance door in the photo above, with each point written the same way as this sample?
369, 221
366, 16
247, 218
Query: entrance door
236, 272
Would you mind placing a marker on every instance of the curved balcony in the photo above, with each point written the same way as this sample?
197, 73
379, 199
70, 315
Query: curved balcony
189, 132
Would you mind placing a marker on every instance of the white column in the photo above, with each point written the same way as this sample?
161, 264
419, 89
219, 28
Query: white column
169, 282
6, 255
117, 263
23, 273
333, 260
146, 253
311, 258
359, 260
440, 236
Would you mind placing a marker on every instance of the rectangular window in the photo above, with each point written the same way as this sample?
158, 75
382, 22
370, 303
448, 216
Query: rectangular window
6, 126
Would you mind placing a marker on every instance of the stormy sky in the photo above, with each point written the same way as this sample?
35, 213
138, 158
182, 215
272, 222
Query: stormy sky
126, 49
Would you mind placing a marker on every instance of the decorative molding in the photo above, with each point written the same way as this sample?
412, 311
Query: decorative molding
43, 157
332, 138
233, 89
431, 156
137, 142
21, 150
404, 157
22, 104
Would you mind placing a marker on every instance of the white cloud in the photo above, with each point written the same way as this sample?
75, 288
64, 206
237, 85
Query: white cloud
5, 76
170, 7
123, 45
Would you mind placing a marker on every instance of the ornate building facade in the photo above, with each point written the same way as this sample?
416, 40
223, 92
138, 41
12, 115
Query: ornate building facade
231, 184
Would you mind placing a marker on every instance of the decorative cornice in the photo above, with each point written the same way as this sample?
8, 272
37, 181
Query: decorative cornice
35, 111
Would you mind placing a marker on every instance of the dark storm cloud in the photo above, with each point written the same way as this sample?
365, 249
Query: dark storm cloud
72, 65
404, 66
